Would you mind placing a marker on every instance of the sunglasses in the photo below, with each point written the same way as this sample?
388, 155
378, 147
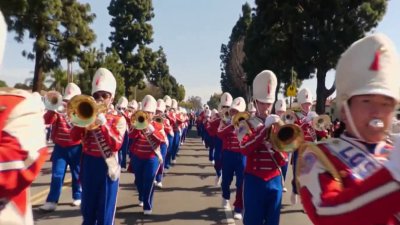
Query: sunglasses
103, 95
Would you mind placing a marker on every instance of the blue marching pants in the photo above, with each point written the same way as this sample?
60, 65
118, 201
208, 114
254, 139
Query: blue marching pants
211, 147
163, 149
145, 173
233, 163
175, 146
262, 200
123, 151
218, 156
61, 157
99, 192
167, 162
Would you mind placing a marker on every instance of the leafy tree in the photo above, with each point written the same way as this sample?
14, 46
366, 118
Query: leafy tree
180, 93
148, 90
132, 32
3, 83
196, 102
233, 77
57, 79
214, 101
308, 36
60, 27
186, 104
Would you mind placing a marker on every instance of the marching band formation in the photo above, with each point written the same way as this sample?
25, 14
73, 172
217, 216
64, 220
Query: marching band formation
346, 177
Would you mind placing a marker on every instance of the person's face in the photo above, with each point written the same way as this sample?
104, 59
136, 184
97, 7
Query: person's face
306, 107
263, 109
103, 97
158, 112
363, 109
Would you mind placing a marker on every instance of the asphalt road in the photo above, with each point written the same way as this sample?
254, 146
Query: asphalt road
188, 196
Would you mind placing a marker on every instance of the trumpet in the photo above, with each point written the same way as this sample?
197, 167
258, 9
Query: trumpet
53, 100
287, 138
140, 120
289, 117
159, 119
239, 117
321, 123
82, 110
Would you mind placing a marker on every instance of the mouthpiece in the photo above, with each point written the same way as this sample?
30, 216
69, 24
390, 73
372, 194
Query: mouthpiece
376, 123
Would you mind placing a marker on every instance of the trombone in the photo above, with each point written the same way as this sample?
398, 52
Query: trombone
140, 120
82, 110
53, 100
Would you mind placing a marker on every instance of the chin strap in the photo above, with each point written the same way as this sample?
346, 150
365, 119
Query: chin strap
350, 121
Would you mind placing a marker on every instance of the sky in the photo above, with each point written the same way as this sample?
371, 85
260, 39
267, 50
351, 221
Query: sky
191, 33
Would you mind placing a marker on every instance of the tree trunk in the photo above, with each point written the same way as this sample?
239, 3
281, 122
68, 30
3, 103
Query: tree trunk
322, 92
37, 78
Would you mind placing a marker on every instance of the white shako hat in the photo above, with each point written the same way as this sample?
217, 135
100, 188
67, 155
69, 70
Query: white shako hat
149, 104
226, 99
104, 80
160, 105
251, 108
264, 86
239, 104
370, 65
280, 105
71, 90
122, 102
174, 104
133, 104
167, 100
304, 96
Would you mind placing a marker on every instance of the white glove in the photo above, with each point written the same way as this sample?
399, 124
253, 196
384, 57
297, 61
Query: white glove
310, 116
271, 119
393, 164
101, 119
150, 129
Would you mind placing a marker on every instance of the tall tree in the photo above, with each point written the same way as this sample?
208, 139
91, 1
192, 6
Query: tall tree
132, 32
196, 102
233, 77
214, 101
60, 27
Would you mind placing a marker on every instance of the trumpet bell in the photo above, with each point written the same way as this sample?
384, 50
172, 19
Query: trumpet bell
287, 138
158, 119
140, 120
239, 117
321, 123
83, 110
289, 117
53, 101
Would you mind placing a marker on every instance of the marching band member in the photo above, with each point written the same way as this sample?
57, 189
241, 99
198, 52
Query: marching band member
122, 107
280, 109
176, 128
22, 152
100, 169
167, 133
170, 117
233, 162
303, 118
185, 124
262, 192
66, 152
355, 179
146, 155
211, 134
132, 107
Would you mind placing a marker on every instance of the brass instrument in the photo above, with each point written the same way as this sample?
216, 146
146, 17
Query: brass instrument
287, 138
82, 110
53, 100
289, 117
159, 119
140, 120
225, 114
321, 123
239, 117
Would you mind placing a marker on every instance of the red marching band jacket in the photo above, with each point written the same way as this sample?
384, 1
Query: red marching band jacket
21, 154
262, 160
309, 133
229, 138
212, 126
145, 144
61, 129
367, 193
111, 133
168, 127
